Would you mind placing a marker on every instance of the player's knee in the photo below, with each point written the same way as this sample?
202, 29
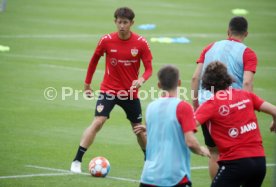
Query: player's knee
98, 122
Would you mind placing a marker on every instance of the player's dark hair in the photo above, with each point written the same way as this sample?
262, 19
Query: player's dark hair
168, 77
216, 77
124, 12
238, 25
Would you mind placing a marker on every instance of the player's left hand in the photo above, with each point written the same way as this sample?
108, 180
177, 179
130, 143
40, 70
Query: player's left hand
88, 91
139, 129
273, 126
137, 83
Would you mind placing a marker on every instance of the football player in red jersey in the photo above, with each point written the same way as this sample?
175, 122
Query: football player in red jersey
124, 50
241, 62
234, 128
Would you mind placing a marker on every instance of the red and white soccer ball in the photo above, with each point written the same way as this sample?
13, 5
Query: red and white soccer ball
99, 167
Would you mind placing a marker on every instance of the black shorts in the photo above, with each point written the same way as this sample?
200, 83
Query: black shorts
207, 136
246, 172
106, 103
188, 184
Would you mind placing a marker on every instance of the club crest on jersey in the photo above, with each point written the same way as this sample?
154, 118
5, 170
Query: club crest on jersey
100, 108
134, 52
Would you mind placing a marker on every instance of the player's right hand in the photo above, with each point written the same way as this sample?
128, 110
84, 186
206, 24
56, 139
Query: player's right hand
88, 91
205, 151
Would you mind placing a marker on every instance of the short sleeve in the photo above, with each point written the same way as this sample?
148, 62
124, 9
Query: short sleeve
204, 112
256, 100
250, 60
202, 55
185, 116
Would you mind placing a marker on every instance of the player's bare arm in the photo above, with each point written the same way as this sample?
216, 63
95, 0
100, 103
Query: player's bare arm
270, 109
194, 145
195, 84
248, 78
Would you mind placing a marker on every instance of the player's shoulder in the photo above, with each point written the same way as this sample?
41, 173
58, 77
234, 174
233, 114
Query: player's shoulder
239, 92
208, 46
249, 51
213, 101
184, 105
244, 93
136, 36
107, 37
139, 38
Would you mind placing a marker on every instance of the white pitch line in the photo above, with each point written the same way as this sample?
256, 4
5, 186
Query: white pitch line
267, 68
66, 59
47, 168
63, 172
63, 67
123, 179
43, 57
34, 175
73, 36
199, 167
83, 173
270, 165
98, 71
52, 36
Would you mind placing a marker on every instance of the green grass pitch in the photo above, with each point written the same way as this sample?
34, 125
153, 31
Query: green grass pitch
51, 44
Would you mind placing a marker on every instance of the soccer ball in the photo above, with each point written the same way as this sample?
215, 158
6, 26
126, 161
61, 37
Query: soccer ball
99, 167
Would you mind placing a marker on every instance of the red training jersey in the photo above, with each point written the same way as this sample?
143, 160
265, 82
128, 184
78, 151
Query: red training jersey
233, 124
250, 60
122, 62
185, 116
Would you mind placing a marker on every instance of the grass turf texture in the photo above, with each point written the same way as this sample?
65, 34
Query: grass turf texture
51, 44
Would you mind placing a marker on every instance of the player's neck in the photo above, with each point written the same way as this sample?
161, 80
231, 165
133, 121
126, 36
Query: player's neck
237, 37
125, 36
171, 93
240, 38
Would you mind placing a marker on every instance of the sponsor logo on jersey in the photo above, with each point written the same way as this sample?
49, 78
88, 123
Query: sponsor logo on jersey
113, 61
248, 127
127, 62
233, 132
113, 50
100, 108
134, 52
240, 105
224, 110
